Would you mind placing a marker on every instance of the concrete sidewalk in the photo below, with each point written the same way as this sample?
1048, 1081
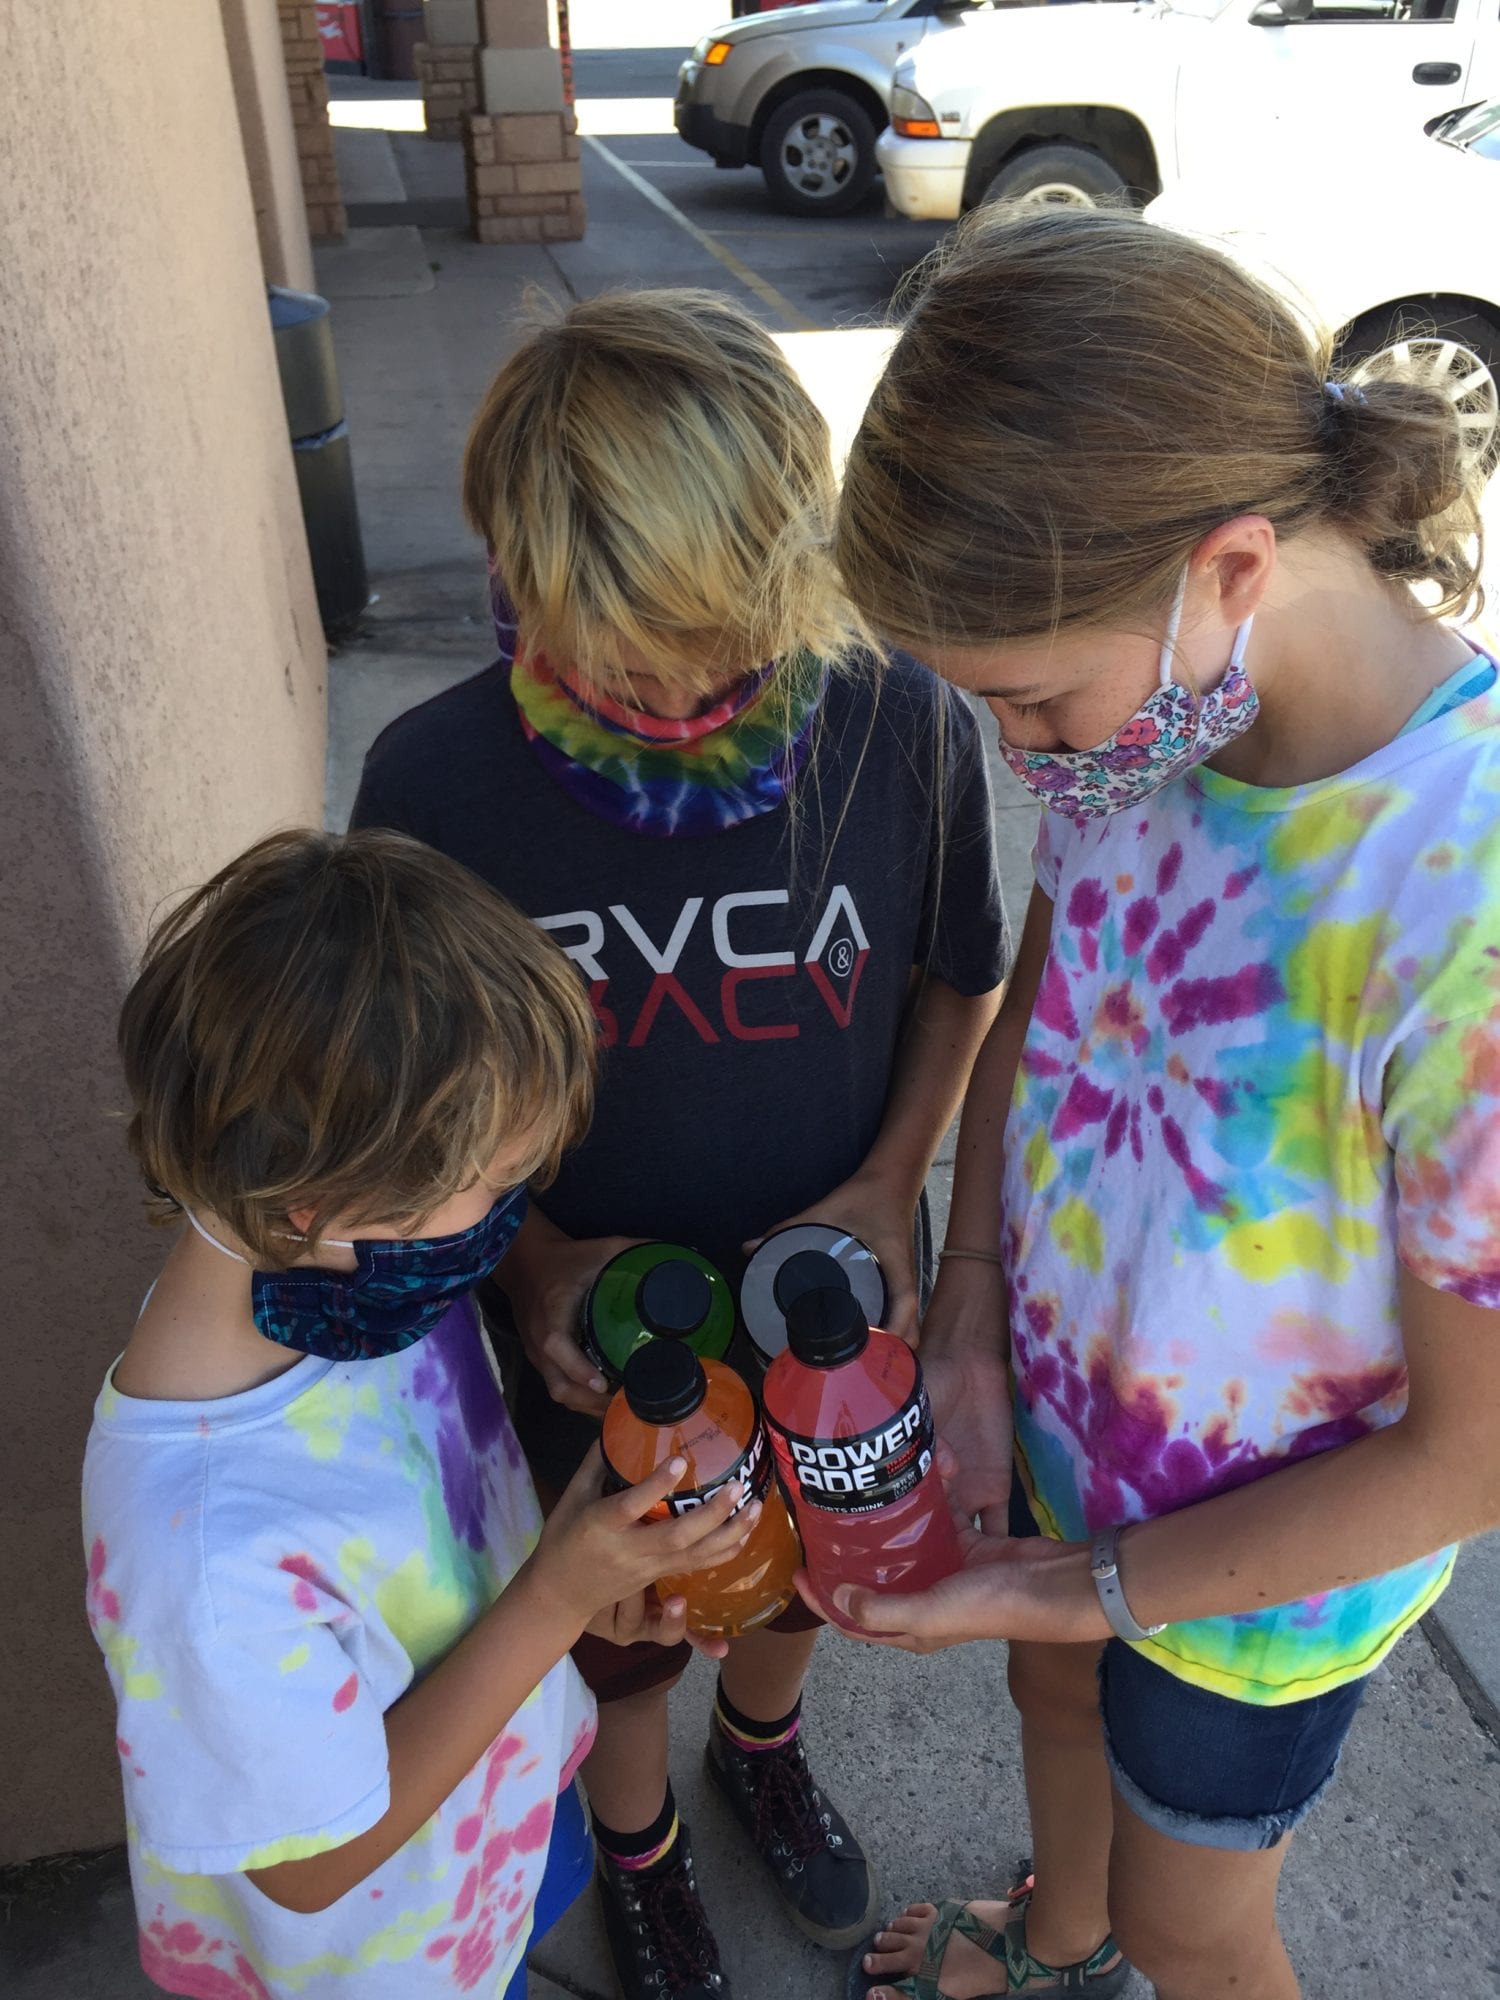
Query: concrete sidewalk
1392, 1890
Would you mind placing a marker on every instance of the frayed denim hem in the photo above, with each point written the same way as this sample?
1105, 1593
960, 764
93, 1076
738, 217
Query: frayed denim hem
1240, 1836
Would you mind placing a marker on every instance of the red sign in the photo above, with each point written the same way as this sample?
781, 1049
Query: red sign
339, 25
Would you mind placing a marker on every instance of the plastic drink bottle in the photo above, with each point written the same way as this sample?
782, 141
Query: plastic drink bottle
674, 1405
655, 1291
852, 1429
803, 1258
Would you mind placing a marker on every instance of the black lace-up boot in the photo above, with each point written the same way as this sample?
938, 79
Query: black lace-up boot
658, 1930
828, 1886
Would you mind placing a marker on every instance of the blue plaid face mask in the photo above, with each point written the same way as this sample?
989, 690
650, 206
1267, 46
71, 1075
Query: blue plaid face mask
396, 1293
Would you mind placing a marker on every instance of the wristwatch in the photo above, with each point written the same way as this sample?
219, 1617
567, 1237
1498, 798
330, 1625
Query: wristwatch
1105, 1571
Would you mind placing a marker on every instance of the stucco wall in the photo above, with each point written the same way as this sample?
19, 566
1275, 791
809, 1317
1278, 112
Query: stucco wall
161, 704
257, 65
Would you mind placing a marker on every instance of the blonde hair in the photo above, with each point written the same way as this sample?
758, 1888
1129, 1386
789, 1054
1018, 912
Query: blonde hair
1078, 399
354, 1025
654, 482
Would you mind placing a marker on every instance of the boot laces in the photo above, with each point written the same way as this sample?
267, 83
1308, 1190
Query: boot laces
677, 1927
788, 1809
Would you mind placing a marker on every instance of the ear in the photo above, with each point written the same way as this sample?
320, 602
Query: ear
300, 1219
1239, 560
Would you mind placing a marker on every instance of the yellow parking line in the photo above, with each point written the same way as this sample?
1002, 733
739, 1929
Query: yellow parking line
752, 280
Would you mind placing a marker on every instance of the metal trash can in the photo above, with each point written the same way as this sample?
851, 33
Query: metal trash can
320, 447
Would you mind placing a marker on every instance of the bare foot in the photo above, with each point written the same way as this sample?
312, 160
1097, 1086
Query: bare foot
967, 1972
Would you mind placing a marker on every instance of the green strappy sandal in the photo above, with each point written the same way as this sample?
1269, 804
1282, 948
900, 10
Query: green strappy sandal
1023, 1973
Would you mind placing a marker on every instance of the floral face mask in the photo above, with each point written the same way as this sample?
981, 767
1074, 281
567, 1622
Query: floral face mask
1172, 730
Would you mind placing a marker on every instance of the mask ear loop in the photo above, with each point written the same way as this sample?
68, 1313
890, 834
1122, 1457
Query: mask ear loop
223, 1248
1165, 676
329, 1242
1174, 625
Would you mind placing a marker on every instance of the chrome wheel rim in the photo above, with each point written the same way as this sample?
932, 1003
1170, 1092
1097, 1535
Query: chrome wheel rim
819, 156
1057, 194
1456, 372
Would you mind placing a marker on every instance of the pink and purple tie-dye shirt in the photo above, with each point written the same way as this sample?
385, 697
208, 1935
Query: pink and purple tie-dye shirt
267, 1575
1263, 1067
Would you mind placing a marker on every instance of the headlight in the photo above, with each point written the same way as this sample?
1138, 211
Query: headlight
912, 117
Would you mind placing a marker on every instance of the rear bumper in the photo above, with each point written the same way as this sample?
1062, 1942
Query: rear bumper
924, 178
701, 126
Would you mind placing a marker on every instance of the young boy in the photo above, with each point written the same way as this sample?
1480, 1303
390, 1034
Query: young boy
348, 1723
772, 864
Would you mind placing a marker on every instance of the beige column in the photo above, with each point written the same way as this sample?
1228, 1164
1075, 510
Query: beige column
257, 65
163, 688
521, 150
448, 65
307, 86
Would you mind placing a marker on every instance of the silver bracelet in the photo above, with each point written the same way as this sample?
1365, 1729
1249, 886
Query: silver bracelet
1105, 1570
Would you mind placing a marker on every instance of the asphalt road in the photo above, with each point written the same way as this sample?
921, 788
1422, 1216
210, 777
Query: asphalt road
840, 272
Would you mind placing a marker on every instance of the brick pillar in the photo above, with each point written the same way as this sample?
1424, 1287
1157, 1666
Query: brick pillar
448, 65
521, 152
308, 88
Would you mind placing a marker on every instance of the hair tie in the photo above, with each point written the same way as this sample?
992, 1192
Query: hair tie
1339, 392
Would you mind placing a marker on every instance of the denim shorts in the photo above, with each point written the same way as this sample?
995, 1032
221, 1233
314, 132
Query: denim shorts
1201, 1768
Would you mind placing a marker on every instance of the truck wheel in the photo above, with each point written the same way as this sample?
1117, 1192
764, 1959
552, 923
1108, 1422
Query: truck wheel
1445, 344
1069, 176
818, 153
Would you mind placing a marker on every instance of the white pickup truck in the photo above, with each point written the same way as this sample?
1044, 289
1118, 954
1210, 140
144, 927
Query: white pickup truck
1082, 104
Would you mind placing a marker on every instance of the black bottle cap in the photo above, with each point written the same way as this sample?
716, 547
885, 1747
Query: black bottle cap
827, 1327
807, 1271
674, 1298
664, 1382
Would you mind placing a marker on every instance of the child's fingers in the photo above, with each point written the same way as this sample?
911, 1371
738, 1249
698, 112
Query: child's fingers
712, 1645
565, 1365
582, 1490
666, 1623
636, 1502
705, 1548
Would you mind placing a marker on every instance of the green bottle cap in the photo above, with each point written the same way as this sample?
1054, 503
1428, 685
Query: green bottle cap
656, 1291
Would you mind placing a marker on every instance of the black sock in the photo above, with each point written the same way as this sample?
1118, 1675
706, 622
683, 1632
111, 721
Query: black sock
749, 1735
649, 1850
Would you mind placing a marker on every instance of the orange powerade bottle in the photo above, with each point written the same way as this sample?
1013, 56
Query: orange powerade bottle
675, 1406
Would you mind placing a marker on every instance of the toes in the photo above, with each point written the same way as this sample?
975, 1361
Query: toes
883, 1963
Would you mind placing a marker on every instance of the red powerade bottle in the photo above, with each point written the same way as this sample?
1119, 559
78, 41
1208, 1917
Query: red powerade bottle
852, 1429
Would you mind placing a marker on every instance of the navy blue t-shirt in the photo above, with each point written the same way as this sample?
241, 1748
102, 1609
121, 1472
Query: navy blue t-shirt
750, 983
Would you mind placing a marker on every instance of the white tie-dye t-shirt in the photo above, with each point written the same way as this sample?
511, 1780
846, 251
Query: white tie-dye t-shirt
267, 1574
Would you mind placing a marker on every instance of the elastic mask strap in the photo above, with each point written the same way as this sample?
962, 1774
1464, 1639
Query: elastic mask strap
223, 1248
1241, 641
1165, 675
329, 1242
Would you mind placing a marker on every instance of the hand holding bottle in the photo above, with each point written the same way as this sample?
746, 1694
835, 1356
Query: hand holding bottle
599, 1552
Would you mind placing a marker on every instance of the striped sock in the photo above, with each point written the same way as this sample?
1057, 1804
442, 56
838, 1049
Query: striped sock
650, 1848
749, 1736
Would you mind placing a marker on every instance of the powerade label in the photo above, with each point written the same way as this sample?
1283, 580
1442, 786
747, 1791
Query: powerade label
855, 1475
753, 1466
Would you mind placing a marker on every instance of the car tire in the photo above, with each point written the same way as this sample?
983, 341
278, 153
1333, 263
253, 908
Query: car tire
1070, 176
1446, 344
818, 153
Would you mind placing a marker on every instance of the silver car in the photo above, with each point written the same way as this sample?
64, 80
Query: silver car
804, 93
